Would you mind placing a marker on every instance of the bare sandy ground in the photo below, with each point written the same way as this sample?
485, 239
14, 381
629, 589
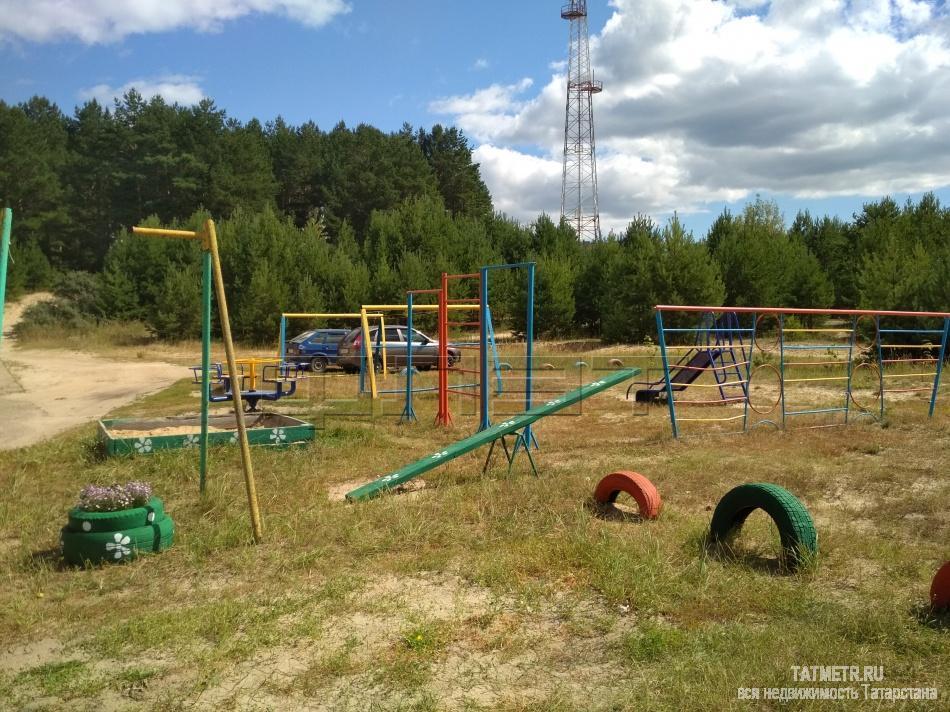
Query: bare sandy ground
44, 392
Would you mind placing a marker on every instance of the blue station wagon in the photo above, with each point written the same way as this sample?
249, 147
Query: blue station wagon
317, 348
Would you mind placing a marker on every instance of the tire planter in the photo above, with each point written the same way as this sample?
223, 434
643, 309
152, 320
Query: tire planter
795, 525
96, 547
636, 485
940, 588
83, 521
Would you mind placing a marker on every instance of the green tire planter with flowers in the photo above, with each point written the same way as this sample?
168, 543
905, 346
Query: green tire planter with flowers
116, 523
82, 521
124, 545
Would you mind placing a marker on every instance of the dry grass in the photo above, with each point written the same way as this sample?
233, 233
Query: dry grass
495, 592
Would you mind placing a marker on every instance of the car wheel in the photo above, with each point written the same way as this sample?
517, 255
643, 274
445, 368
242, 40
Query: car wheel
318, 364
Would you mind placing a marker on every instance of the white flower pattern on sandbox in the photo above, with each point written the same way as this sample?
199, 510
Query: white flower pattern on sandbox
278, 436
143, 444
191, 440
120, 545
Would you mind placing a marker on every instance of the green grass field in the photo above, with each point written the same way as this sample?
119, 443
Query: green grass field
496, 592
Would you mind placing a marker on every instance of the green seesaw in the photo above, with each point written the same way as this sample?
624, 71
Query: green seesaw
516, 426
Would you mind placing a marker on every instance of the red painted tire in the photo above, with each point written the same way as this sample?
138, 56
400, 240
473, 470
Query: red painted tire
634, 484
940, 588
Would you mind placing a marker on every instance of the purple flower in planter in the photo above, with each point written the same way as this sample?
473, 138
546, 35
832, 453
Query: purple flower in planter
96, 498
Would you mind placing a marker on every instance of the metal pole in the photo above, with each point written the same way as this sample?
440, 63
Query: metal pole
781, 363
4, 257
483, 320
880, 363
748, 373
368, 364
408, 414
250, 486
847, 392
529, 354
205, 366
283, 338
943, 356
661, 337
443, 417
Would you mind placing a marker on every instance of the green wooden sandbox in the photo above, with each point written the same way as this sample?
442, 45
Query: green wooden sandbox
125, 436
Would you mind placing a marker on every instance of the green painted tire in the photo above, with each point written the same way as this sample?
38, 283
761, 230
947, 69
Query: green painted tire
96, 547
88, 522
795, 525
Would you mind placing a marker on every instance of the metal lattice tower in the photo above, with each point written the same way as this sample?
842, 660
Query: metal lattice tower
579, 185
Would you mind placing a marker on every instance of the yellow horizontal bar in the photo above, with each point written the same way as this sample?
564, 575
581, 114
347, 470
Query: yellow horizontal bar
907, 375
910, 346
717, 385
820, 331
330, 315
162, 232
823, 378
420, 307
708, 420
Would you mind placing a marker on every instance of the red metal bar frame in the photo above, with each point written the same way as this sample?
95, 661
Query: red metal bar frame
778, 310
444, 416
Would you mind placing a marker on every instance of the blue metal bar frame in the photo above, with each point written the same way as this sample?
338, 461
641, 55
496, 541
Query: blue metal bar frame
940, 360
283, 337
661, 337
499, 389
408, 412
485, 419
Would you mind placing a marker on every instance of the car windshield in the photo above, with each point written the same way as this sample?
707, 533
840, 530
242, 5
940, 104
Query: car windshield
300, 338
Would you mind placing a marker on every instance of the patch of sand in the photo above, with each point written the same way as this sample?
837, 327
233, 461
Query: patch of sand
44, 392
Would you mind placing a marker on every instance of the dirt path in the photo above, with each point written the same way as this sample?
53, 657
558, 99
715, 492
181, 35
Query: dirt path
44, 392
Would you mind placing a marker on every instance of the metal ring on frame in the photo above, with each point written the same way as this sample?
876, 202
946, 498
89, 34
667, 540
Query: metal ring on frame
781, 388
772, 346
876, 376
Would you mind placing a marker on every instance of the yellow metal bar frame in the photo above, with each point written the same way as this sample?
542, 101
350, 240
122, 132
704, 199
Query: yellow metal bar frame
209, 241
910, 346
709, 420
175, 234
364, 313
327, 315
419, 307
847, 330
823, 378
908, 375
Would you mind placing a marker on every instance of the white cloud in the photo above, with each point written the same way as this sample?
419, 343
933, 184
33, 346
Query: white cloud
714, 100
480, 64
96, 21
496, 98
173, 88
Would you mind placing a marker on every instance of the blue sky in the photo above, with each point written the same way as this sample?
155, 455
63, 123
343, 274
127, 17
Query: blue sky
819, 104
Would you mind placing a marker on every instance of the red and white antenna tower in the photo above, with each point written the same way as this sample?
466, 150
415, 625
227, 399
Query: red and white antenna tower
579, 185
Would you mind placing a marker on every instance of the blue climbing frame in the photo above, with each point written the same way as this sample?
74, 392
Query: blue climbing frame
723, 345
485, 416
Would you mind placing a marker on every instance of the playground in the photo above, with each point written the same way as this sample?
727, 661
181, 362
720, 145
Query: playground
503, 590
758, 489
